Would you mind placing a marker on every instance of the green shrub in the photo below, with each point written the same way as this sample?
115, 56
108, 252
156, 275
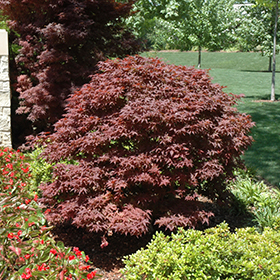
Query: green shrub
261, 200
41, 170
214, 254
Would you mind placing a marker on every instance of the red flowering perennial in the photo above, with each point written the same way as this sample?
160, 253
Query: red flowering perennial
149, 138
25, 242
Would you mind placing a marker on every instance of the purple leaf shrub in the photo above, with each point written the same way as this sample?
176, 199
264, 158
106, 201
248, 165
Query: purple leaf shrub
150, 139
61, 42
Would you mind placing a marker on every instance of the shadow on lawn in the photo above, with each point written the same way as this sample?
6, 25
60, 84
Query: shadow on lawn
264, 154
258, 71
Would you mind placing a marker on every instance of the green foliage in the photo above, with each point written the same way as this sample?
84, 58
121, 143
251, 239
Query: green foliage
3, 24
262, 201
267, 3
184, 24
27, 249
214, 254
42, 171
256, 29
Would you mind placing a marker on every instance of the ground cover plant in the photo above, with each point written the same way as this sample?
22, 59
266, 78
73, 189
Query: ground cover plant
27, 250
245, 73
258, 198
215, 253
149, 138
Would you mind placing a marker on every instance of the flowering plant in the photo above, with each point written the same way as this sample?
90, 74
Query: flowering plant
27, 250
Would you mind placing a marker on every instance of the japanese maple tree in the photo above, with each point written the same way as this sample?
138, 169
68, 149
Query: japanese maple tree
61, 42
147, 139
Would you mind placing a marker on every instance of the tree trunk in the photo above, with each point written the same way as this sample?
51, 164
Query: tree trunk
270, 64
272, 98
199, 57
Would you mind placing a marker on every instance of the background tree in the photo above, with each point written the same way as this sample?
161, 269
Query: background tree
61, 42
255, 30
274, 5
185, 24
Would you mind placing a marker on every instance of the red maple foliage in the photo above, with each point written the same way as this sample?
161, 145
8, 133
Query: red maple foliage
61, 42
148, 138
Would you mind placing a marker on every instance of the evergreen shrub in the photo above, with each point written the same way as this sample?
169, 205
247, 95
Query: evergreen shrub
214, 254
149, 138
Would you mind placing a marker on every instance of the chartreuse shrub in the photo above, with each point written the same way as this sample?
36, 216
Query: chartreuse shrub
148, 138
261, 200
41, 170
27, 250
213, 254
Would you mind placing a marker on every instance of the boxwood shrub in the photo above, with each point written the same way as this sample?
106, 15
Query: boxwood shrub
214, 254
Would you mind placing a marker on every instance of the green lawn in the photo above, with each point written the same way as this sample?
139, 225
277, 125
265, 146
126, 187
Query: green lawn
246, 73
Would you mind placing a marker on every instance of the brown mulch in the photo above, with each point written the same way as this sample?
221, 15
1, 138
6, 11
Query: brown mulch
107, 261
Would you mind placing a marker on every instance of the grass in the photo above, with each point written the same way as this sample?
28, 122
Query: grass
246, 73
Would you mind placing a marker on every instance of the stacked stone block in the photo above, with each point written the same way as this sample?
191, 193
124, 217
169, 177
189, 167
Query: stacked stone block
5, 93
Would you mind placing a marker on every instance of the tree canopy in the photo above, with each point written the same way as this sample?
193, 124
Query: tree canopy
185, 24
61, 42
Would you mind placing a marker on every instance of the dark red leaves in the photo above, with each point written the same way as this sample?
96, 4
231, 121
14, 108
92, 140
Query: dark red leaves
61, 42
148, 137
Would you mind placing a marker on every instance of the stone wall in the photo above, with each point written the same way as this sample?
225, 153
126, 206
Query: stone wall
5, 93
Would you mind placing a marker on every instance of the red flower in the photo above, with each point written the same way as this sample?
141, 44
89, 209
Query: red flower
91, 275
25, 170
27, 275
27, 201
71, 257
84, 267
10, 166
53, 251
10, 235
36, 197
42, 267
77, 251
47, 211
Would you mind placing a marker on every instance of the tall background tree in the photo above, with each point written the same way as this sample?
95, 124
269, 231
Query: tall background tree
255, 30
274, 5
61, 42
185, 24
